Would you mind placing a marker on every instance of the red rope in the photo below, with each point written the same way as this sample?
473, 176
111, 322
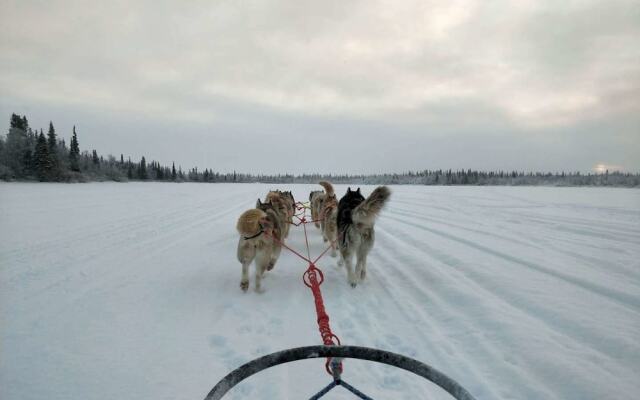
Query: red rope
281, 243
302, 221
306, 239
313, 278
310, 278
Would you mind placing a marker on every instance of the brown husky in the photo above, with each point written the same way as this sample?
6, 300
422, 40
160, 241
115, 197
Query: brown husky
284, 207
315, 202
257, 229
329, 216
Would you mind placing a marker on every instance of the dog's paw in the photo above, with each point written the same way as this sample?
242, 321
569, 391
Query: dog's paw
353, 284
244, 286
259, 289
271, 265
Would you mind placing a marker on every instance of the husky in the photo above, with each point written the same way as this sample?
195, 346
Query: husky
258, 228
328, 216
290, 201
291, 204
315, 202
355, 219
281, 205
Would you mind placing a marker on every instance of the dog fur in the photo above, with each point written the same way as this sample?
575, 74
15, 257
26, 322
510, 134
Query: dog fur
257, 228
328, 216
281, 204
356, 218
315, 201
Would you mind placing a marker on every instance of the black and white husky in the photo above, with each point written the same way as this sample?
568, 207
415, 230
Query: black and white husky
356, 218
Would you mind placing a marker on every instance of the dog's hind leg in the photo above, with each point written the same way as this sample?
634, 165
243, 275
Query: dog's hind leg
361, 263
323, 229
246, 254
263, 258
347, 256
331, 238
285, 229
339, 246
275, 254
368, 237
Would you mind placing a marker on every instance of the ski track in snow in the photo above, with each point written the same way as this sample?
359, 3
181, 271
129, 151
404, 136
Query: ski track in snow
132, 291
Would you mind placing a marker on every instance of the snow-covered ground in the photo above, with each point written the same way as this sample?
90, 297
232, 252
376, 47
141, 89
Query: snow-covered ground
131, 291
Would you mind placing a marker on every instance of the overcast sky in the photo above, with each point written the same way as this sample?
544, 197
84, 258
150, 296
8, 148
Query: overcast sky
332, 86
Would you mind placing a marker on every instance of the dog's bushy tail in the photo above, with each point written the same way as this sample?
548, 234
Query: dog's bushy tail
328, 187
369, 209
249, 222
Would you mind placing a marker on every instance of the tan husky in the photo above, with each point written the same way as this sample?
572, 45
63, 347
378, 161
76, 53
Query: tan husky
329, 216
284, 207
257, 229
315, 201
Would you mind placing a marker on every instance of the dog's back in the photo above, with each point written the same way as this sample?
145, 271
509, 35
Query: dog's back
366, 212
347, 204
315, 199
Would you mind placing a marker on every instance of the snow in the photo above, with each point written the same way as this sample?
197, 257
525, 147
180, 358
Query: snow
131, 291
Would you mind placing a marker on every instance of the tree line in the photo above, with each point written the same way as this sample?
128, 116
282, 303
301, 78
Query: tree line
30, 155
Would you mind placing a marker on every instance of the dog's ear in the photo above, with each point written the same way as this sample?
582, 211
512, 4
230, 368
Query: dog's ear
349, 189
358, 191
258, 203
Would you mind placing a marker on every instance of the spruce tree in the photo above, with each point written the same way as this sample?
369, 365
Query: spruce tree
159, 172
74, 152
129, 169
173, 172
16, 147
51, 137
53, 151
16, 122
42, 160
142, 171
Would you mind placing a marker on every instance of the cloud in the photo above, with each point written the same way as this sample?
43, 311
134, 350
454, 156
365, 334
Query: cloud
527, 66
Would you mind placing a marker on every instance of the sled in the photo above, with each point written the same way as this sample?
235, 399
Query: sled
336, 354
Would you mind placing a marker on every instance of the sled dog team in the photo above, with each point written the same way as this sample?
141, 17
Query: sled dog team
347, 225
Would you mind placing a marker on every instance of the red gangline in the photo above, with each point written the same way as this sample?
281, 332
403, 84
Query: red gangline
306, 239
313, 278
281, 243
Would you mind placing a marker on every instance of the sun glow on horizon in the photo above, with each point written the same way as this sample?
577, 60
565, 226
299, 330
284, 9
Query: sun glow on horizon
601, 168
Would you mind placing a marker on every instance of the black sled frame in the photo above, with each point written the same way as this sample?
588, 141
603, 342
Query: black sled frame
336, 354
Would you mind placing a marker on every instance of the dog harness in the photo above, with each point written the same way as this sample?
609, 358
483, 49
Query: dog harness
257, 234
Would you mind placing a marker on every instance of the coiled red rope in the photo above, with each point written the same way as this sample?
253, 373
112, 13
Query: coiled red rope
313, 278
